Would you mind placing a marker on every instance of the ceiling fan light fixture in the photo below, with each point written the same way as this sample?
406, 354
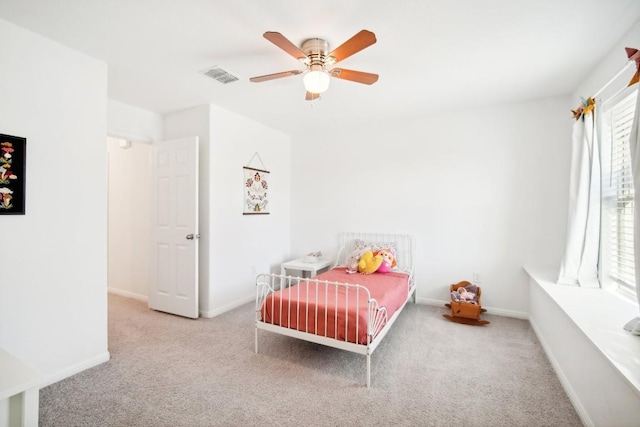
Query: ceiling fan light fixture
316, 55
316, 81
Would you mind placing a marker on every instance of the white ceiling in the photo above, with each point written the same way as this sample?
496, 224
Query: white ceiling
431, 55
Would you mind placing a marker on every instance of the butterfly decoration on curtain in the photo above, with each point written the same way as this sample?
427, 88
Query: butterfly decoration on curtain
634, 55
585, 108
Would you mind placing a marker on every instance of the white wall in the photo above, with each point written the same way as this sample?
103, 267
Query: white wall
53, 290
483, 191
133, 123
597, 78
129, 219
245, 245
235, 247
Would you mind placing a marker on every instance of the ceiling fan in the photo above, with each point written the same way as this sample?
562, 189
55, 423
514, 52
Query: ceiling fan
315, 54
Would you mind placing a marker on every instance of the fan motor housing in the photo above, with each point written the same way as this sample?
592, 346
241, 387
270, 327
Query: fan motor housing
316, 50
315, 47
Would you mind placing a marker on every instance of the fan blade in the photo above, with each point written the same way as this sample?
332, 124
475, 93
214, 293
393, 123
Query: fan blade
354, 45
275, 76
311, 96
354, 76
283, 43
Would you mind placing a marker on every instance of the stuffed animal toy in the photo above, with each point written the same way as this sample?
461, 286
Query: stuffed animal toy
472, 288
352, 260
369, 263
388, 261
465, 295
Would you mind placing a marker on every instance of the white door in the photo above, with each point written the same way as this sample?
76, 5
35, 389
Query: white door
174, 252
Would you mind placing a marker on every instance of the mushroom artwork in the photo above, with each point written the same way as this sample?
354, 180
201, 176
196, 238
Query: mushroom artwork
5, 163
6, 175
5, 198
12, 167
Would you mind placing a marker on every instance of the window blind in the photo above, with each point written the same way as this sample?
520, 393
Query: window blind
622, 194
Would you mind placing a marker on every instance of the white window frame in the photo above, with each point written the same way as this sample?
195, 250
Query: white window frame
617, 266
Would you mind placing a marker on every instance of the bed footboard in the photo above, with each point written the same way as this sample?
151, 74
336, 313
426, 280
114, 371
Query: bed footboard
335, 314
338, 311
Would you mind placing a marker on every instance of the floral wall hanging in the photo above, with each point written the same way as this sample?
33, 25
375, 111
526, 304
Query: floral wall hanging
256, 188
256, 196
12, 174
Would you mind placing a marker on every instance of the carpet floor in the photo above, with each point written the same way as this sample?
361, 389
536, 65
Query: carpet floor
170, 371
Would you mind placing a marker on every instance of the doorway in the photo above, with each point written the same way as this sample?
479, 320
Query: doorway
128, 218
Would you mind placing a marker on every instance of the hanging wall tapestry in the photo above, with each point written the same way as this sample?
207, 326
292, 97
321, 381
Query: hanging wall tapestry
12, 174
256, 190
256, 186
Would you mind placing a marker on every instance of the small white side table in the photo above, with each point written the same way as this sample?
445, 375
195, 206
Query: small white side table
19, 385
311, 267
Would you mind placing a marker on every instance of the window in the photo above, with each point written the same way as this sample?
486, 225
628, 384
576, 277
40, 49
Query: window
618, 193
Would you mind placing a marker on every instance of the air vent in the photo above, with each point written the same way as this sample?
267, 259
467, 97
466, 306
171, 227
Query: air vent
220, 75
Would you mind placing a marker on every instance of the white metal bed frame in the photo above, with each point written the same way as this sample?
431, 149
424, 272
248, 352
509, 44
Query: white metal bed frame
376, 315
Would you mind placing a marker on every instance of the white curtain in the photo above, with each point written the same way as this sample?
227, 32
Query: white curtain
580, 263
634, 147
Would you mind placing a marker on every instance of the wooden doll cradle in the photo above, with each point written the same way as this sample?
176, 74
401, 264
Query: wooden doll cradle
465, 312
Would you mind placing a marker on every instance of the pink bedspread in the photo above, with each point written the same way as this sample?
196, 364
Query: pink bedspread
333, 311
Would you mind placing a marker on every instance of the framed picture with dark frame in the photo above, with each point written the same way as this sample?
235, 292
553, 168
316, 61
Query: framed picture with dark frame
13, 160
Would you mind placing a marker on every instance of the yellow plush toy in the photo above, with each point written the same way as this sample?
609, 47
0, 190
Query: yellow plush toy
369, 263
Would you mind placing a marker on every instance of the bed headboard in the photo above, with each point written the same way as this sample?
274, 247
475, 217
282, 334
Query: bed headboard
404, 243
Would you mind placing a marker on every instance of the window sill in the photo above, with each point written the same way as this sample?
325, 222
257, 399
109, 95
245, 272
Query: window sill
600, 314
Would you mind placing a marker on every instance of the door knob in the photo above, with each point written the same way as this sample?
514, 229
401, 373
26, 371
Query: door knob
191, 236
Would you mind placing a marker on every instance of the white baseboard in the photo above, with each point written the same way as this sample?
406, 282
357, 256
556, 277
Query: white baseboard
128, 294
75, 369
228, 307
490, 310
203, 313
